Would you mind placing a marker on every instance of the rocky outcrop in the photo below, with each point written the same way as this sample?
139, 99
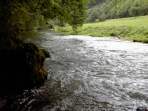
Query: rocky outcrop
21, 68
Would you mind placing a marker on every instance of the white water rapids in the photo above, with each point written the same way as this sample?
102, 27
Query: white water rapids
95, 74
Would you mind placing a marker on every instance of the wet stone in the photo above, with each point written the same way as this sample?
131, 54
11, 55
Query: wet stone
142, 109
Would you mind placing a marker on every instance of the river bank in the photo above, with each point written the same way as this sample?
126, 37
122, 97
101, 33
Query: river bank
133, 29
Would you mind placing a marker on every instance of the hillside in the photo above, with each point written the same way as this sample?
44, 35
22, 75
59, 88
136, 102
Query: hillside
117, 9
133, 28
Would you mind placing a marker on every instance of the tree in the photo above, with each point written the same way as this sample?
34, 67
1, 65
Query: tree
77, 13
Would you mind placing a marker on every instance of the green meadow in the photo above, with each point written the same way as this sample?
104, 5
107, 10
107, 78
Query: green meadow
133, 28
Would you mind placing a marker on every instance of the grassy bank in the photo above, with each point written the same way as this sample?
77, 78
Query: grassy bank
133, 28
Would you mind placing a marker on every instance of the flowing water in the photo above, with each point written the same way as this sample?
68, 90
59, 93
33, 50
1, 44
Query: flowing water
94, 74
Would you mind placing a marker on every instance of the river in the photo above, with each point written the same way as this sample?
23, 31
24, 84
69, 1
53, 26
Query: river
94, 74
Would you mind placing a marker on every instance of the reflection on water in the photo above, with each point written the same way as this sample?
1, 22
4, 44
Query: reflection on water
94, 74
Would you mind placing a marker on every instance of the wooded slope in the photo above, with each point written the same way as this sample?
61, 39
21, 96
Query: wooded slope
109, 9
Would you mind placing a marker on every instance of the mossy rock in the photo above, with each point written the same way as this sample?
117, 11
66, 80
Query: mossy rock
22, 68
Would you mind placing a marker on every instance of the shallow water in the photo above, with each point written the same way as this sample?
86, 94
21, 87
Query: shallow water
95, 74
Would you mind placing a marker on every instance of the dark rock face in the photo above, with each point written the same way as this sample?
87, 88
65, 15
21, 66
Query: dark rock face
142, 109
21, 68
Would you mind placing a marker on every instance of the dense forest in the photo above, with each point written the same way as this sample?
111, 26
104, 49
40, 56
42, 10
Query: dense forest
110, 9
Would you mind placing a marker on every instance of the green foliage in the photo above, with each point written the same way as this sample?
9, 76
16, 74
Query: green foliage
77, 13
118, 9
23, 15
73, 13
134, 28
